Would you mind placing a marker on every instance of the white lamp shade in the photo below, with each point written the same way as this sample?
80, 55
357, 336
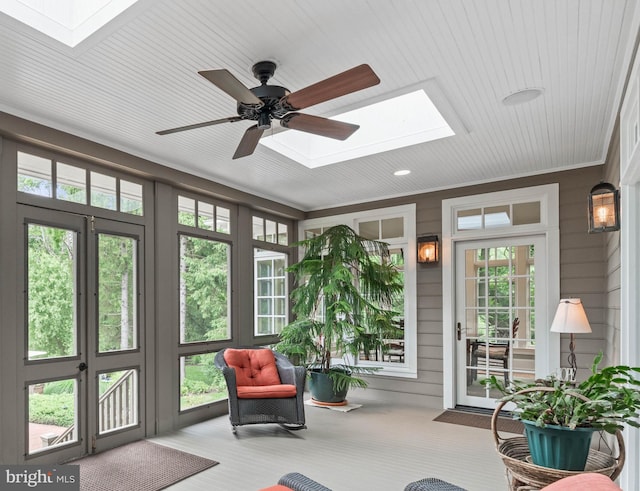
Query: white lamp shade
570, 317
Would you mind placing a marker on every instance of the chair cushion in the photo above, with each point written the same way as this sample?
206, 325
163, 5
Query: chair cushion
588, 481
266, 391
254, 367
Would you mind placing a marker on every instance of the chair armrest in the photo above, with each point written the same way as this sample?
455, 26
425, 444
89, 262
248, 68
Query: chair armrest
230, 377
299, 482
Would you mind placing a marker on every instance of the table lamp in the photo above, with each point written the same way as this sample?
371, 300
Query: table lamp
571, 318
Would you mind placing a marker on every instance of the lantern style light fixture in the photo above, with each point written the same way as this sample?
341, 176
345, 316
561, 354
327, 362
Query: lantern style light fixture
428, 250
604, 208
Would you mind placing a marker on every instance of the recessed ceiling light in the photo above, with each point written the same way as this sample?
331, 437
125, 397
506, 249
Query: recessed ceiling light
522, 96
403, 172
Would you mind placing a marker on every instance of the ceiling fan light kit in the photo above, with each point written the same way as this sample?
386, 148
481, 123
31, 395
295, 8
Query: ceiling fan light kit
267, 102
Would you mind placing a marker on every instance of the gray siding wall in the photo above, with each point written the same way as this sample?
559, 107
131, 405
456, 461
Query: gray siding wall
582, 274
611, 173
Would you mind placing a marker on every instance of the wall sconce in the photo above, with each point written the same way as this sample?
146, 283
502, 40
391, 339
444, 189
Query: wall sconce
604, 208
428, 250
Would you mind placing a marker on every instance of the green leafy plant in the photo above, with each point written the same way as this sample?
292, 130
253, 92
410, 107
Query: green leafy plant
606, 400
345, 288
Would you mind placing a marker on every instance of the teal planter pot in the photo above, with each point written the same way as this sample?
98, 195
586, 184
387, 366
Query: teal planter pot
558, 447
322, 390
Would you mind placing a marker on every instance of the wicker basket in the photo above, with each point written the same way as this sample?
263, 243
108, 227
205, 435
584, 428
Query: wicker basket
523, 474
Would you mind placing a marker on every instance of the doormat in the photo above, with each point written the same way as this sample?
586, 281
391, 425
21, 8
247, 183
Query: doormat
476, 420
138, 466
342, 409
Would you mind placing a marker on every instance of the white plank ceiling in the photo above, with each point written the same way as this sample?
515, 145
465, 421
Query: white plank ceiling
139, 75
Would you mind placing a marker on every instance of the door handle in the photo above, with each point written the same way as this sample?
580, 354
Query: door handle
83, 366
459, 331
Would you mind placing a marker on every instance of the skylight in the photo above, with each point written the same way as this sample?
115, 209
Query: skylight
396, 122
67, 21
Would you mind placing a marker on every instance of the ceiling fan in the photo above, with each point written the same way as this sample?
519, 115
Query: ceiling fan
267, 102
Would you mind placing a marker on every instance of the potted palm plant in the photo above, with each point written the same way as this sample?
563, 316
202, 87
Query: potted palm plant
560, 417
345, 287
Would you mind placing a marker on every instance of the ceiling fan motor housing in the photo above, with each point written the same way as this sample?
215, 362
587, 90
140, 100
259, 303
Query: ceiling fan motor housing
270, 95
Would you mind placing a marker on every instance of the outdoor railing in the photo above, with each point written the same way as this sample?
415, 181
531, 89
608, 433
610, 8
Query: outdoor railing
117, 408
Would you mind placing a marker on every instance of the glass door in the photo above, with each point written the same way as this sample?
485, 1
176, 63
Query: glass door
82, 329
496, 314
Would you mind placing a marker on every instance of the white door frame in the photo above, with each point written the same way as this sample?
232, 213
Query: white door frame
548, 196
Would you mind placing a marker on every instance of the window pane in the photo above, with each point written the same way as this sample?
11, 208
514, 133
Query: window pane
186, 211
283, 234
51, 292
103, 191
280, 306
392, 228
264, 326
205, 215
369, 230
52, 414
117, 293
118, 400
270, 230
524, 213
34, 175
497, 216
271, 291
223, 220
200, 381
312, 232
264, 306
131, 197
469, 219
204, 290
71, 183
264, 287
279, 286
258, 228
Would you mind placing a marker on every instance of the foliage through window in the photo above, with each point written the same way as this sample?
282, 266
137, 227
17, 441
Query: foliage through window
203, 215
204, 292
51, 291
200, 381
117, 295
69, 183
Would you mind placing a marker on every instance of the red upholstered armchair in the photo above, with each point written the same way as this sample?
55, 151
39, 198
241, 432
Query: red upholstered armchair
264, 387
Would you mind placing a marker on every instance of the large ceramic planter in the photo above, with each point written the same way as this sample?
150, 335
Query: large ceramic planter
558, 447
322, 389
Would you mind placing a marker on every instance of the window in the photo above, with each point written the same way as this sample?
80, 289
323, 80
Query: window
201, 382
271, 286
270, 231
52, 291
204, 291
270, 291
209, 216
36, 176
498, 216
396, 352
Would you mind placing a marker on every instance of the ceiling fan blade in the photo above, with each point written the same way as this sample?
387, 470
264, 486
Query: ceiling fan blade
344, 83
249, 142
319, 126
225, 81
232, 119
